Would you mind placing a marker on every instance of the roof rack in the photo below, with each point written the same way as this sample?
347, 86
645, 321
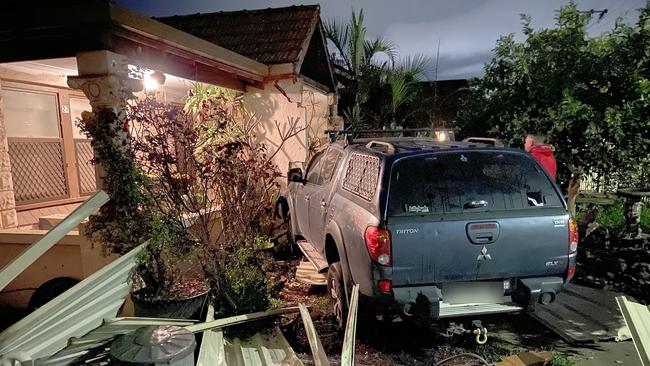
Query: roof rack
389, 147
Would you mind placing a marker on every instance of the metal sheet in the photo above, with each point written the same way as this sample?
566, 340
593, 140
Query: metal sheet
347, 354
34, 251
212, 352
268, 348
637, 317
308, 274
74, 313
582, 314
238, 319
317, 351
77, 347
264, 348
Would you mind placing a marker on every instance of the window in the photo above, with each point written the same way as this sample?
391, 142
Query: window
362, 175
50, 157
314, 168
329, 166
468, 182
30, 114
77, 106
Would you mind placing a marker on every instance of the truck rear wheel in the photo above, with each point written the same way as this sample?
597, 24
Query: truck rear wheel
335, 288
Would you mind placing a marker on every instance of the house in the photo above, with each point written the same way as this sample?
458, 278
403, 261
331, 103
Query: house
74, 55
276, 57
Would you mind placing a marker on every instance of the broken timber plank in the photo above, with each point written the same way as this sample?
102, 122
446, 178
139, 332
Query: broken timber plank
317, 351
347, 355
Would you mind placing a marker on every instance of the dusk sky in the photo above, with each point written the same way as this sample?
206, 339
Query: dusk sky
467, 30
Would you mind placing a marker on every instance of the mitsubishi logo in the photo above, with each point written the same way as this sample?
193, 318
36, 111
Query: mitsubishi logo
484, 255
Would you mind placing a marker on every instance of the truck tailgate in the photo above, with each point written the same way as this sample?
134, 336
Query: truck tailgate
427, 251
472, 215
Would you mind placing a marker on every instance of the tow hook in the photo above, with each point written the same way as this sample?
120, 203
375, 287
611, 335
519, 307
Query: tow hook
480, 332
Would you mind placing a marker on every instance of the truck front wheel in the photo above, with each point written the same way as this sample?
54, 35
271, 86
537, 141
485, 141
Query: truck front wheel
337, 293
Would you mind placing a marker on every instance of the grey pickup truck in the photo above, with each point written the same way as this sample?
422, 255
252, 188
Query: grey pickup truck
431, 230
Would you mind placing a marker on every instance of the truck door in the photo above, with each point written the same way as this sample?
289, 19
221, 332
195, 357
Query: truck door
321, 196
303, 193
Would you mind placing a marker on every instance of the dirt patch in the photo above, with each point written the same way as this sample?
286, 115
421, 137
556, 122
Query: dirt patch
400, 343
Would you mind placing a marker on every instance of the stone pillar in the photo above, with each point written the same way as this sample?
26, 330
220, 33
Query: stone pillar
103, 77
8, 218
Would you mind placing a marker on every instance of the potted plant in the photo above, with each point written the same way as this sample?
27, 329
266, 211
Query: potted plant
129, 219
211, 176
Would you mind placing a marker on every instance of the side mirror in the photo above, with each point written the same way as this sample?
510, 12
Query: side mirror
295, 175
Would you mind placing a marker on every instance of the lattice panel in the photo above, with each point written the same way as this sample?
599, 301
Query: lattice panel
85, 167
362, 175
38, 169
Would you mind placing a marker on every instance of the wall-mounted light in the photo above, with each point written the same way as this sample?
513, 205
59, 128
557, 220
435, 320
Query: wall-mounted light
442, 136
152, 80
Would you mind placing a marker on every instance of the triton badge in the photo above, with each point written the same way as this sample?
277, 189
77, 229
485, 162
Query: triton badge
484, 255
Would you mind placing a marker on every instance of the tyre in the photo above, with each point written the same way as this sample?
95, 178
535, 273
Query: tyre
335, 288
49, 290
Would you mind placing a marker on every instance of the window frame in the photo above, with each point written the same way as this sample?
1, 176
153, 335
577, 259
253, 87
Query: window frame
66, 136
319, 156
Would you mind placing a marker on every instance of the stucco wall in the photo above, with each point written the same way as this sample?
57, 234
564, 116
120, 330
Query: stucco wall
8, 217
73, 256
317, 105
306, 106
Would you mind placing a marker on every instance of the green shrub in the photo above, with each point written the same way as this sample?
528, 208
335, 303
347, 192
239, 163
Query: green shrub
612, 217
245, 288
560, 359
645, 220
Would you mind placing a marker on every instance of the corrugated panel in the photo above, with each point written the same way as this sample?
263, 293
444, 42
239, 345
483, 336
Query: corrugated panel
212, 351
308, 274
34, 251
347, 354
78, 347
74, 313
637, 317
317, 351
267, 348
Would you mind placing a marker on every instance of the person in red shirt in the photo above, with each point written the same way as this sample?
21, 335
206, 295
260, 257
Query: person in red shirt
536, 146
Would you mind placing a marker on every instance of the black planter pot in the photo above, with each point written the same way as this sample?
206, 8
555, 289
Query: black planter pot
167, 308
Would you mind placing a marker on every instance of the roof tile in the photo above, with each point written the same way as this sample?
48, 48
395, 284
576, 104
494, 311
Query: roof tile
270, 36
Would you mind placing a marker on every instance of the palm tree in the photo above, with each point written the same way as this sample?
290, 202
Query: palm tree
356, 56
369, 66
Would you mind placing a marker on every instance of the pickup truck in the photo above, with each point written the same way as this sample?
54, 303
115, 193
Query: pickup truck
431, 229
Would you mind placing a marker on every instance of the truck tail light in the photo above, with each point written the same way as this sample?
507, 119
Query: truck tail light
570, 273
384, 285
573, 236
378, 244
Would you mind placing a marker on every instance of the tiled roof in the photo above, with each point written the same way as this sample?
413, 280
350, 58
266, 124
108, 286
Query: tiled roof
270, 36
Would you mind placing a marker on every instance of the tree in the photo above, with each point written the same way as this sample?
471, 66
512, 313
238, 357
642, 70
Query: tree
589, 96
374, 88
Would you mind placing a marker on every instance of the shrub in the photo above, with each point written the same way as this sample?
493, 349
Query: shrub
205, 165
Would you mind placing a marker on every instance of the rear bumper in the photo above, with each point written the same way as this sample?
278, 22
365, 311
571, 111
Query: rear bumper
428, 301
